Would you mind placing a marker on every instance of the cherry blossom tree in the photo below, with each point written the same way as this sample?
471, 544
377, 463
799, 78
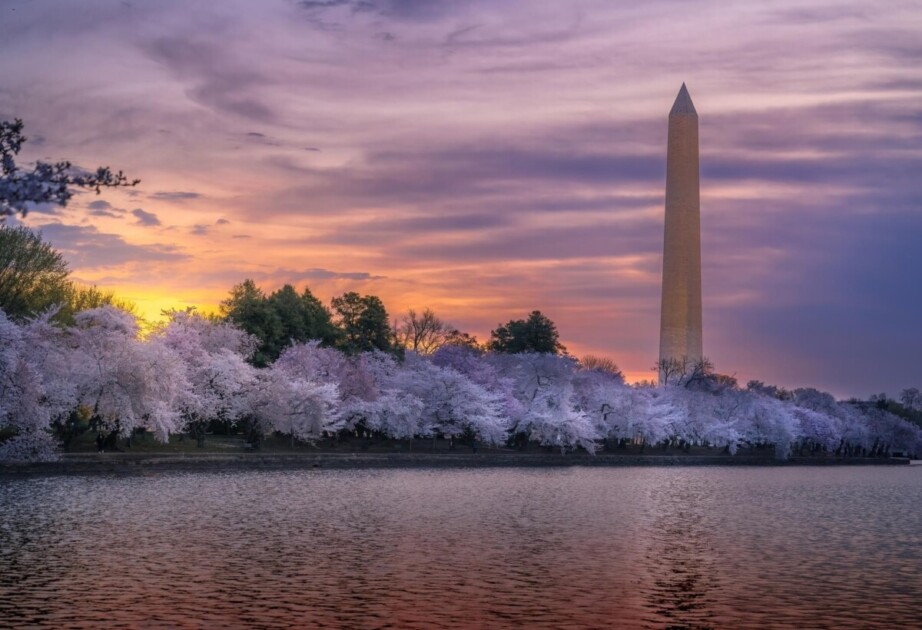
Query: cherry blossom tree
891, 433
127, 383
657, 414
822, 432
602, 395
294, 406
34, 389
360, 397
479, 368
49, 351
845, 425
193, 370
553, 419
767, 421
214, 357
21, 188
393, 413
621, 415
453, 405
551, 415
22, 416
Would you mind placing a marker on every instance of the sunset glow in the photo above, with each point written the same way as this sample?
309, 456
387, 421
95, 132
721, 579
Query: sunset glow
485, 159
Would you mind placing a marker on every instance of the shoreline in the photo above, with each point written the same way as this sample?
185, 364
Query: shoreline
146, 463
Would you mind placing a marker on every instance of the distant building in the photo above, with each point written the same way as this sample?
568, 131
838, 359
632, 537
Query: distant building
680, 314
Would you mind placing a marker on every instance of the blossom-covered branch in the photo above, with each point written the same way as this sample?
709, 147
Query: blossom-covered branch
21, 188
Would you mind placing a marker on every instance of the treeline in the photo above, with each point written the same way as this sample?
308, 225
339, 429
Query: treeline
357, 323
283, 363
193, 372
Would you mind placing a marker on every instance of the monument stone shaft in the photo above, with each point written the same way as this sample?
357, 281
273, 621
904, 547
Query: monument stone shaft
680, 314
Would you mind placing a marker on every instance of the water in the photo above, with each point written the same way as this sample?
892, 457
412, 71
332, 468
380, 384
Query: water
628, 547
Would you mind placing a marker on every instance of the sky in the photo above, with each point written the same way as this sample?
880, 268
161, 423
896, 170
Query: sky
485, 158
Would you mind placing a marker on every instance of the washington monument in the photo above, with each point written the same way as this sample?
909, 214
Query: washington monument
680, 314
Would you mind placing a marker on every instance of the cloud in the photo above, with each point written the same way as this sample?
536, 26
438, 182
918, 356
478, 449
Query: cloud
818, 14
326, 274
899, 44
218, 79
396, 9
105, 213
485, 158
85, 247
262, 139
102, 208
505, 178
174, 195
551, 243
221, 222
312, 5
275, 277
145, 218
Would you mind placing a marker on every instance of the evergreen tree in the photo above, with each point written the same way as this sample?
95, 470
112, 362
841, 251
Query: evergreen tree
280, 319
364, 323
535, 334
250, 309
302, 317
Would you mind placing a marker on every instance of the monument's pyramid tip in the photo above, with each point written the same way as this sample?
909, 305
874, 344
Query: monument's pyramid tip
683, 103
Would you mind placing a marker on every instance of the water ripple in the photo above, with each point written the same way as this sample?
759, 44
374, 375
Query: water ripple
571, 548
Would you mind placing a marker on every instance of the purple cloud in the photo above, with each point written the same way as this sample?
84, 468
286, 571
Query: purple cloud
492, 157
145, 218
85, 247
174, 195
216, 79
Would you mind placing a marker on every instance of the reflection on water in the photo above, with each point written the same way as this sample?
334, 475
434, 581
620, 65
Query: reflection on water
657, 548
682, 568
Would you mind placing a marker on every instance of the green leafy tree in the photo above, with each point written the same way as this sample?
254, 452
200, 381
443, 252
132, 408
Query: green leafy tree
302, 317
364, 323
33, 275
250, 309
44, 182
537, 333
78, 298
34, 279
279, 319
